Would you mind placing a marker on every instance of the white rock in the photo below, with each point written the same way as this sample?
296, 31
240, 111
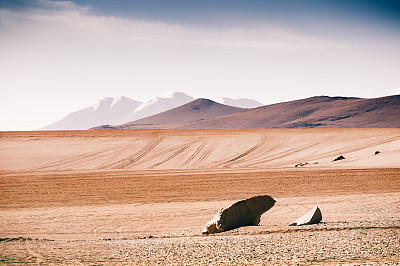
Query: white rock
312, 217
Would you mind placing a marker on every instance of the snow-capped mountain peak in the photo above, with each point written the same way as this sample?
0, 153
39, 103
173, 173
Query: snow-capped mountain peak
117, 101
175, 94
239, 102
160, 104
120, 110
103, 103
108, 110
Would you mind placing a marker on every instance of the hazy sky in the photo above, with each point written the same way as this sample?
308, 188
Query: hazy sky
60, 56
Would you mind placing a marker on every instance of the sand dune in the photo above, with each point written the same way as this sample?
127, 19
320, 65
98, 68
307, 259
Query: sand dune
199, 149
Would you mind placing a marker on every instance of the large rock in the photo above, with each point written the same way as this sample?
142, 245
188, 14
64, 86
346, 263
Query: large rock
241, 213
312, 217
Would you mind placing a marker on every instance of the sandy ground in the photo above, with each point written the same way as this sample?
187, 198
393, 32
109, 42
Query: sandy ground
113, 197
199, 149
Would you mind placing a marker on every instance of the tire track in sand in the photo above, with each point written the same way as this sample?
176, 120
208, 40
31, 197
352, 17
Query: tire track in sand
127, 162
75, 159
199, 149
246, 153
179, 151
111, 161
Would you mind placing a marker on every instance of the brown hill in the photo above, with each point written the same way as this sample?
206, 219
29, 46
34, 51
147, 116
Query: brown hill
321, 111
196, 110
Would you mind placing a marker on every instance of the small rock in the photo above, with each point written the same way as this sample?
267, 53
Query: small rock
300, 164
341, 157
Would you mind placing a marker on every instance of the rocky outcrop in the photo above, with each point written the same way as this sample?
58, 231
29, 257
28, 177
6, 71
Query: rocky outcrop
242, 213
312, 217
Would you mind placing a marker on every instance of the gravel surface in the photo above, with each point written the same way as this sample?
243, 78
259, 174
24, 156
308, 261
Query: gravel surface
376, 245
326, 243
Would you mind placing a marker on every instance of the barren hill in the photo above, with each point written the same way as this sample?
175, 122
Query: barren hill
321, 111
196, 110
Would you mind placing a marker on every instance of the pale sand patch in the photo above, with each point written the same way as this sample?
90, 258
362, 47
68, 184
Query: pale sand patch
199, 149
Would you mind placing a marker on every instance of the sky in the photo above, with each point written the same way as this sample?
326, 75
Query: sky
57, 57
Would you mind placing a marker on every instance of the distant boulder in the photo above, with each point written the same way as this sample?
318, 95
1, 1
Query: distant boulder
312, 217
242, 213
341, 157
300, 164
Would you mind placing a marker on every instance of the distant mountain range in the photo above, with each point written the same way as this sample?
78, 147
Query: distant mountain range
197, 110
178, 110
115, 110
321, 111
118, 111
239, 102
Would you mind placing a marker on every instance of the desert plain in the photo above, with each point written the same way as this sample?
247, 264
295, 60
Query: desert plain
143, 196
